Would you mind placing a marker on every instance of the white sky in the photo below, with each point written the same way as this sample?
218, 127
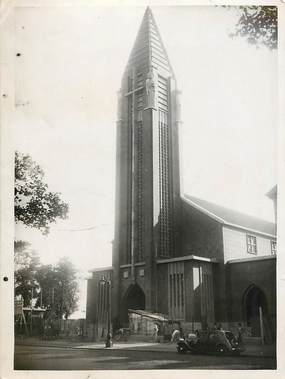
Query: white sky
70, 69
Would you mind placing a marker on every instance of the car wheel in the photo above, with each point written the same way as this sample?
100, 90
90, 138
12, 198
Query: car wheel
221, 349
181, 350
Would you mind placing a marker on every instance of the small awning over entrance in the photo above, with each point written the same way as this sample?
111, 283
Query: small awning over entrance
144, 323
154, 316
159, 317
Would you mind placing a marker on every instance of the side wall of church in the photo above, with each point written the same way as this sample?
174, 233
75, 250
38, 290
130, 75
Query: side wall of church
203, 236
235, 244
241, 276
162, 289
92, 285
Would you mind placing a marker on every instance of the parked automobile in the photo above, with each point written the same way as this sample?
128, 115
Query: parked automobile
217, 341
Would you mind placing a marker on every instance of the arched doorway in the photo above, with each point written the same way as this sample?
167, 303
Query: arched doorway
133, 299
255, 308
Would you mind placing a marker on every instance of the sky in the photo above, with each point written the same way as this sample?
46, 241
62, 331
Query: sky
66, 82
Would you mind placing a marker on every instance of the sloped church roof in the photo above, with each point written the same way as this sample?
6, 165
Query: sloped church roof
231, 217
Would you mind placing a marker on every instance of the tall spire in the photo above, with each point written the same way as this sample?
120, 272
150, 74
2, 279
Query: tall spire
148, 50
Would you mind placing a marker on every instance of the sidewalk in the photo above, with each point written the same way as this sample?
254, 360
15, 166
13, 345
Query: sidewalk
251, 350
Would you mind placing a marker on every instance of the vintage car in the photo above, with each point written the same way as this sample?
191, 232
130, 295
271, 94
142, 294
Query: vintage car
216, 341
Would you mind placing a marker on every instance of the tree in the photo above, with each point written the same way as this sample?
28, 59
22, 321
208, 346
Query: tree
26, 264
67, 291
52, 286
35, 205
45, 276
59, 288
258, 24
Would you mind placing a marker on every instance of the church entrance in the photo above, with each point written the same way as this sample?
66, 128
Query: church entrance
256, 312
133, 299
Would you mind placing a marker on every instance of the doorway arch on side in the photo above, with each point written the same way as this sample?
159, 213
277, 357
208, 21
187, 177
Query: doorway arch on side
255, 310
134, 298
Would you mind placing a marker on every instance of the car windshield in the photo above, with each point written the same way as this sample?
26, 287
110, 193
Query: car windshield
229, 335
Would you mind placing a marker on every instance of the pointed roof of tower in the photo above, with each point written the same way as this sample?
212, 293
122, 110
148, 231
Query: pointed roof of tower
148, 49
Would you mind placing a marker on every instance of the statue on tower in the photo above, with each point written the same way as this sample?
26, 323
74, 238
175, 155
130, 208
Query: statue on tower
150, 90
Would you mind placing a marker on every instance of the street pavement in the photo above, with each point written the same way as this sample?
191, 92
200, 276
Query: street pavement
250, 349
126, 356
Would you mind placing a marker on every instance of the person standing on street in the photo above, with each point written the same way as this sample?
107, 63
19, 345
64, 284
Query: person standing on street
155, 333
240, 333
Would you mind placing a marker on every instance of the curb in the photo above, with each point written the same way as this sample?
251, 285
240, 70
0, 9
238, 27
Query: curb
132, 349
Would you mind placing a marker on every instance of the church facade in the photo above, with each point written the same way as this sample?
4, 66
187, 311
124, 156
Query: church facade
190, 260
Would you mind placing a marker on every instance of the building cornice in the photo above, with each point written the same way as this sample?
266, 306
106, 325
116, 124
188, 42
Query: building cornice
186, 258
129, 265
244, 260
108, 268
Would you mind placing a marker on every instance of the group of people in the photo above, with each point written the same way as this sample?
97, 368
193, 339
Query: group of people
214, 327
178, 333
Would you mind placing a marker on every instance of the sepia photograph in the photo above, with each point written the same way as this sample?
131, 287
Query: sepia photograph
145, 160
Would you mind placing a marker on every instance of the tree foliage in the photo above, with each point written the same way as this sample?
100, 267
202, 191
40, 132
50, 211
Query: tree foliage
26, 265
67, 289
258, 24
52, 286
35, 205
59, 288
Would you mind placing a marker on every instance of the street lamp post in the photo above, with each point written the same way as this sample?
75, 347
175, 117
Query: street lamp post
109, 336
107, 288
31, 322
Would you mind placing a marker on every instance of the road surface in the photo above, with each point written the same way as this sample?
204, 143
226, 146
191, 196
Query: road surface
60, 358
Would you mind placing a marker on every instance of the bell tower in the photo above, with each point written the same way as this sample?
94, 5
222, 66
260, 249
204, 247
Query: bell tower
147, 172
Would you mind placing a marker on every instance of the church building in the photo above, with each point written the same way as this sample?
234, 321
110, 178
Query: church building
187, 259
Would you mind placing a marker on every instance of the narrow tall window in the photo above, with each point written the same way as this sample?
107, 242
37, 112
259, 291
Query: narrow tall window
165, 200
178, 289
182, 290
251, 244
138, 172
129, 179
273, 247
176, 295
170, 291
